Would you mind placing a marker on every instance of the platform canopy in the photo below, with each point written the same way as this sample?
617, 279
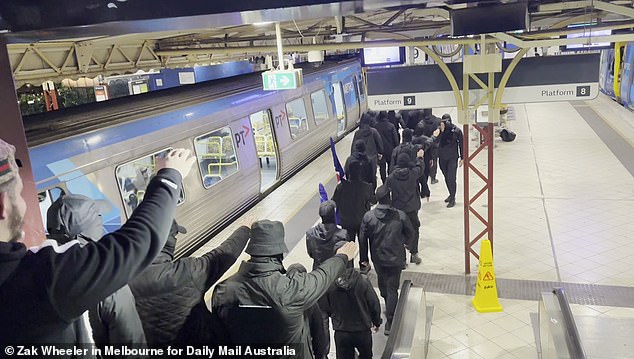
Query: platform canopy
55, 40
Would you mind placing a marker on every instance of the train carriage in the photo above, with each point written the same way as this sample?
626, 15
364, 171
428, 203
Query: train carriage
246, 141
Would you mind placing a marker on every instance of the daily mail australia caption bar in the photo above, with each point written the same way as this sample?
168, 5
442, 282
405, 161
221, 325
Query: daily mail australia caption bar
535, 79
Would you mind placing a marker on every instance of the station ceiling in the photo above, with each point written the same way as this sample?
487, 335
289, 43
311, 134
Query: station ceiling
54, 40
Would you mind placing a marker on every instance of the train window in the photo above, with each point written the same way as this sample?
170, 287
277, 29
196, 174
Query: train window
296, 114
134, 177
216, 155
320, 109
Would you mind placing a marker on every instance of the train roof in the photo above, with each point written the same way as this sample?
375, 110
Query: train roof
51, 126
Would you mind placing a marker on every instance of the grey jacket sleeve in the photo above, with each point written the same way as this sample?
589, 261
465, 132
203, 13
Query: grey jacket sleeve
305, 289
79, 277
377, 140
207, 269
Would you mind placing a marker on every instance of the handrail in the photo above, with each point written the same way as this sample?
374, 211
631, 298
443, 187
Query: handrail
572, 334
397, 321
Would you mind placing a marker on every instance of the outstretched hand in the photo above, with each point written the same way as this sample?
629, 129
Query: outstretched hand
179, 159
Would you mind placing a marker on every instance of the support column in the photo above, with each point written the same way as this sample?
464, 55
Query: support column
13, 133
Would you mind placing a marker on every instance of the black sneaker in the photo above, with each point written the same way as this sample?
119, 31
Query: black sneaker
415, 259
364, 268
434, 181
448, 199
451, 203
388, 326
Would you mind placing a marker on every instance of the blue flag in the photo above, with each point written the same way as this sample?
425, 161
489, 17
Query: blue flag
323, 195
341, 175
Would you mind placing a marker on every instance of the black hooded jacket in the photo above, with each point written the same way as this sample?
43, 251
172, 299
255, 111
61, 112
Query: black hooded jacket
387, 230
320, 241
167, 290
365, 174
450, 143
43, 290
403, 183
389, 137
353, 199
372, 139
352, 303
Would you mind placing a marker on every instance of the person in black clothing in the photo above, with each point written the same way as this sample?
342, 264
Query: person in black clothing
403, 183
373, 144
388, 231
168, 289
354, 198
389, 136
44, 290
113, 320
320, 241
431, 124
413, 117
420, 140
397, 121
260, 304
405, 147
356, 313
365, 167
320, 335
449, 151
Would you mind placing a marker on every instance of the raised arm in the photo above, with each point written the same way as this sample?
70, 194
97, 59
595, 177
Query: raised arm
79, 277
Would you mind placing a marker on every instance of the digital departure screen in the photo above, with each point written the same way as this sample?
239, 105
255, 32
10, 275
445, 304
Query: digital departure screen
590, 34
376, 56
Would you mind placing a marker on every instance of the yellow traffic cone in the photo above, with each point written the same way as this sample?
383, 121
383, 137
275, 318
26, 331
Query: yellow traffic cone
486, 295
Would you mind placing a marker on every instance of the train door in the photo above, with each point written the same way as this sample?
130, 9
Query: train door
266, 147
340, 107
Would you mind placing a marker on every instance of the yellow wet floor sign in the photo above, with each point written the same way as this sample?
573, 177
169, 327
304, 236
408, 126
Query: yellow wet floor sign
486, 295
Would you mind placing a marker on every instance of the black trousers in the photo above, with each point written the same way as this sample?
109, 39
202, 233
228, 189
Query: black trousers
433, 169
374, 163
413, 217
422, 182
389, 279
384, 169
353, 234
346, 342
449, 169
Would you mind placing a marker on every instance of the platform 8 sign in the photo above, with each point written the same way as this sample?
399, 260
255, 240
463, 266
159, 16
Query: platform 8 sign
522, 94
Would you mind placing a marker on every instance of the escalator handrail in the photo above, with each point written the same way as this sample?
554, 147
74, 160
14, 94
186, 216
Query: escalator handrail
573, 339
397, 321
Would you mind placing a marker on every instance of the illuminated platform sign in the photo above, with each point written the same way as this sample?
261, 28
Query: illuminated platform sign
536, 79
282, 80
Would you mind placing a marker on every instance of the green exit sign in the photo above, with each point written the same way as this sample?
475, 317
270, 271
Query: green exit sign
282, 80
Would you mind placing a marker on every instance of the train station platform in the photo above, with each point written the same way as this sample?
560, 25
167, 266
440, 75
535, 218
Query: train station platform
563, 204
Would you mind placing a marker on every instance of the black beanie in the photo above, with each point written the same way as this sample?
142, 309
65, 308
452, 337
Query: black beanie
407, 135
359, 146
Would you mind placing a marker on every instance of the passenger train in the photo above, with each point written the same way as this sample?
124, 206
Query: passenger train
617, 73
246, 142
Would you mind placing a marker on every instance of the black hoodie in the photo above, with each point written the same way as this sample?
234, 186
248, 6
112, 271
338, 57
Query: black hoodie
352, 303
43, 290
167, 290
372, 139
403, 182
320, 241
387, 230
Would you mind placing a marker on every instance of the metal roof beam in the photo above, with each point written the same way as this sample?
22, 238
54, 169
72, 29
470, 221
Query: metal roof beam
568, 5
393, 17
560, 42
617, 9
